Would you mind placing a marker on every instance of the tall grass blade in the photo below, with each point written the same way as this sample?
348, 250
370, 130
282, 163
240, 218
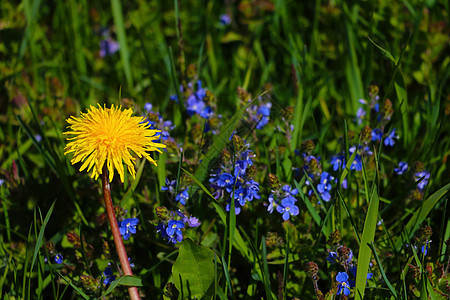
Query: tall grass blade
364, 249
117, 13
41, 234
421, 213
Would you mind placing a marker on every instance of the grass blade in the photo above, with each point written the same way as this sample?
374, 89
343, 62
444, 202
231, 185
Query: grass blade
41, 234
364, 249
121, 37
420, 214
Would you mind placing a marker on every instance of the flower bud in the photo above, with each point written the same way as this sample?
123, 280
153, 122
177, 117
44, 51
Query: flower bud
273, 181
312, 269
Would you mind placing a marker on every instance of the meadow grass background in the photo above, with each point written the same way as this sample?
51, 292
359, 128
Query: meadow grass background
312, 60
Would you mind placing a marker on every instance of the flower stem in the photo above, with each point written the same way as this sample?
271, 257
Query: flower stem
120, 248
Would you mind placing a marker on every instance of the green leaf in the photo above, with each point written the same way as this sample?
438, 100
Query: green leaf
193, 271
126, 280
384, 51
368, 234
421, 214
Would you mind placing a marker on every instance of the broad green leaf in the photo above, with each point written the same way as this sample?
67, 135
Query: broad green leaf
368, 234
193, 271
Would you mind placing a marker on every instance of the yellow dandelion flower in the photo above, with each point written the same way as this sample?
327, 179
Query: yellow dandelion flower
110, 134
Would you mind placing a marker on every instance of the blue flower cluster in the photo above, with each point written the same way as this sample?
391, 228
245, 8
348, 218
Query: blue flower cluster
235, 177
171, 185
156, 121
195, 103
343, 256
172, 223
382, 115
421, 176
320, 179
109, 277
283, 200
259, 115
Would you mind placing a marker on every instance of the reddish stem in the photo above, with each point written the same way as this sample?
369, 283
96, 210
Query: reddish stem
120, 248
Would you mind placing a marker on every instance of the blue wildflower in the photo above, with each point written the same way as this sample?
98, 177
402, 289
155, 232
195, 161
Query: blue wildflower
252, 189
425, 248
389, 140
272, 203
225, 19
357, 163
360, 115
148, 107
237, 207
288, 208
263, 115
344, 183
174, 227
423, 176
194, 105
353, 270
108, 47
333, 257
131, 262
239, 195
376, 134
109, 277
344, 285
192, 221
182, 197
377, 108
128, 227
289, 191
206, 113
324, 187
161, 227
402, 168
58, 258
173, 231
337, 162
170, 186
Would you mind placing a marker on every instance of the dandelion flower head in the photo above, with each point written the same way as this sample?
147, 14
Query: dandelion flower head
110, 135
